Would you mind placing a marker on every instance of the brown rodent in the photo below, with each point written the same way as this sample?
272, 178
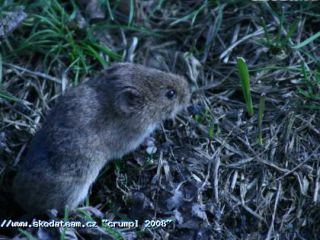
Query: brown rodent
93, 123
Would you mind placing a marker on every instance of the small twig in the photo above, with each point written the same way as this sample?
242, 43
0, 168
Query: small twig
234, 39
316, 188
230, 148
280, 169
214, 84
248, 209
254, 34
271, 228
298, 166
39, 74
307, 124
216, 178
239, 163
17, 159
157, 179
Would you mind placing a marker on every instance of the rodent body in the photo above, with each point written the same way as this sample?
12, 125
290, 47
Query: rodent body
100, 120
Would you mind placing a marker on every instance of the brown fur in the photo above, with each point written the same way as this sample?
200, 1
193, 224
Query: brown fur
100, 120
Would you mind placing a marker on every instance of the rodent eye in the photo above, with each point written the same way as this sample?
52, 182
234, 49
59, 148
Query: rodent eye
171, 94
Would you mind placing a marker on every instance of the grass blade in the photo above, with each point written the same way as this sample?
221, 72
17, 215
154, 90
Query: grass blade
307, 41
110, 10
28, 235
5, 95
131, 14
245, 83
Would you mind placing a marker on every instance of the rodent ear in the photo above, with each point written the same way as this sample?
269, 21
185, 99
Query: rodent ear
129, 100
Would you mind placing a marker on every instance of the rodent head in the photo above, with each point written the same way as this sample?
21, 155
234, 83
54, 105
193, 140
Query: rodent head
146, 92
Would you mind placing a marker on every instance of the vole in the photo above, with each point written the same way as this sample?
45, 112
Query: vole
97, 121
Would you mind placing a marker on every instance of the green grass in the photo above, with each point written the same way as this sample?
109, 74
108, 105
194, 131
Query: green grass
193, 15
245, 84
206, 118
55, 37
307, 41
65, 219
113, 232
282, 44
7, 96
310, 88
28, 235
